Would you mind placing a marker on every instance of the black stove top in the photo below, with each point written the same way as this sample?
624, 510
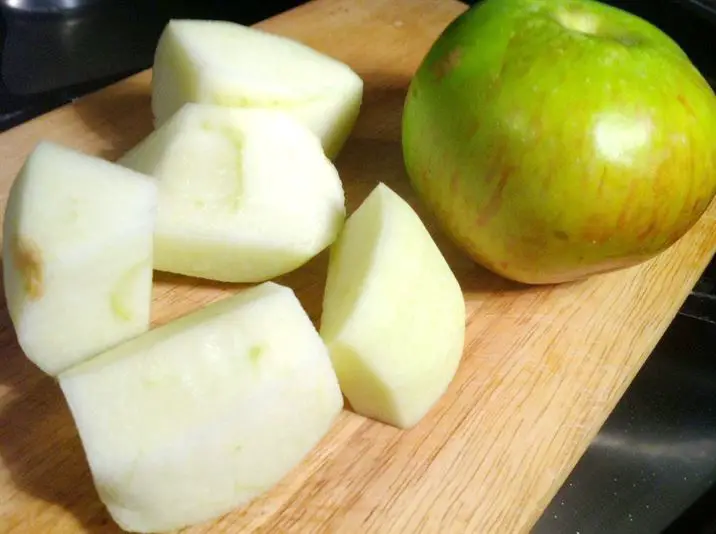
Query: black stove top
49, 58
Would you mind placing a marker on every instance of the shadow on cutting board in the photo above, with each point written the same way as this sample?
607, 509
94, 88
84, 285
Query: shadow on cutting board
365, 162
374, 154
119, 115
40, 447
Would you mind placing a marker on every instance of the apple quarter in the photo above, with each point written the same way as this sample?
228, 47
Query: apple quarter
228, 64
245, 195
199, 416
77, 255
393, 312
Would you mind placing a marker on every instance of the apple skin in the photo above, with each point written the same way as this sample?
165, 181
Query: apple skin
558, 139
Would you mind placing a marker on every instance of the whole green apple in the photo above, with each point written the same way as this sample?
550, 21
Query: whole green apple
556, 139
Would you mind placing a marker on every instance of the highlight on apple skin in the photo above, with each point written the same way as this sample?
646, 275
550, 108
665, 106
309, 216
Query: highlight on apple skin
554, 140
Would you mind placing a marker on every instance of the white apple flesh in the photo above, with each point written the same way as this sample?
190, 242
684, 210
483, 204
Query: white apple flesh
245, 195
77, 255
200, 416
223, 63
393, 312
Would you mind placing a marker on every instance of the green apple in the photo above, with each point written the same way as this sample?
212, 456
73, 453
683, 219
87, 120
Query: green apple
224, 63
393, 312
245, 195
77, 255
557, 139
201, 415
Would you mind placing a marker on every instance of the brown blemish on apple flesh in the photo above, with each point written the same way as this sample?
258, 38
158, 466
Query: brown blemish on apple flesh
28, 261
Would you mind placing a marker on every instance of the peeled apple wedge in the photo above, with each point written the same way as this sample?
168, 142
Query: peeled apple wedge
201, 415
77, 255
245, 195
393, 312
224, 63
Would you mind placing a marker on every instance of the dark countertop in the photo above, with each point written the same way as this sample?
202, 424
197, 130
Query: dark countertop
47, 60
652, 468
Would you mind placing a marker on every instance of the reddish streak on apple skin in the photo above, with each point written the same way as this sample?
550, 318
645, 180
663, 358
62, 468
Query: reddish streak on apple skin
474, 129
602, 179
594, 230
648, 231
700, 205
689, 197
661, 183
455, 181
493, 205
685, 103
497, 157
628, 205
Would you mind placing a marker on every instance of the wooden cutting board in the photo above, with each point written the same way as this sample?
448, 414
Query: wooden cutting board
543, 366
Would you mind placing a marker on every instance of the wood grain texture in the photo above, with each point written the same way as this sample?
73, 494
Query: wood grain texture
543, 367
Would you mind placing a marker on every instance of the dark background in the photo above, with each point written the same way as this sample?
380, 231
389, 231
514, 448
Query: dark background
66, 55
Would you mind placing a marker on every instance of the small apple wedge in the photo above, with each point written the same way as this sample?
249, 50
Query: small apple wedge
201, 415
393, 312
245, 195
224, 63
77, 255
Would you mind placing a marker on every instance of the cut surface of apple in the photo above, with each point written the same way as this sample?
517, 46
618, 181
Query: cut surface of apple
228, 64
393, 312
201, 415
77, 255
245, 195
